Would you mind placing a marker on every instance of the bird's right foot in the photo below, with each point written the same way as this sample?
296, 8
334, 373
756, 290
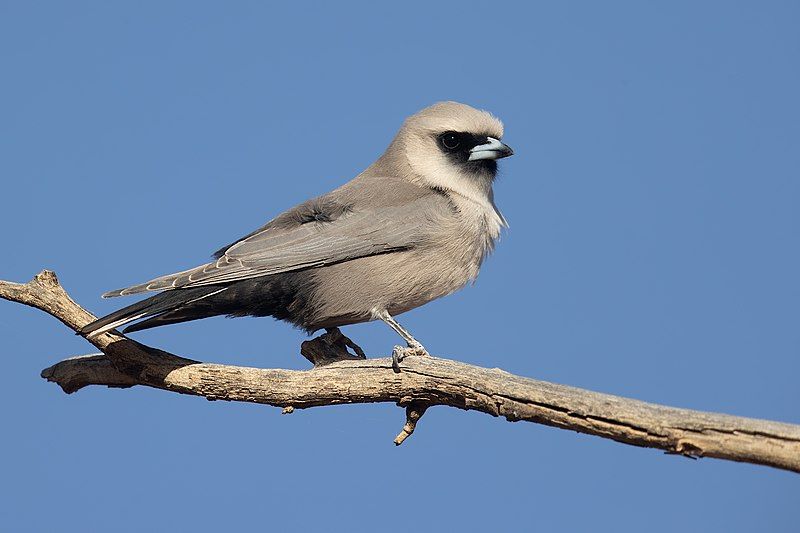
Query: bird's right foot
399, 353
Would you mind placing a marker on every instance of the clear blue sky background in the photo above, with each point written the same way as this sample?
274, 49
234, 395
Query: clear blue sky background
653, 253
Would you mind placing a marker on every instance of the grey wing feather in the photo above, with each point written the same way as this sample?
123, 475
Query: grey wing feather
277, 249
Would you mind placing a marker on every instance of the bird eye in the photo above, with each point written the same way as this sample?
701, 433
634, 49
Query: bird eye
450, 140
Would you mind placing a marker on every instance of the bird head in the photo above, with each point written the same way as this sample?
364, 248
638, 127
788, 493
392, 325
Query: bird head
454, 147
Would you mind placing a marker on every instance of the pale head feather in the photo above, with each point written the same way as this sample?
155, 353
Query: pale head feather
453, 116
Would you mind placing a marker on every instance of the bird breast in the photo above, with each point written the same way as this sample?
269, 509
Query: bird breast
348, 292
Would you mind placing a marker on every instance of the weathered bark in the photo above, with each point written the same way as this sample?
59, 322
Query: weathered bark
423, 382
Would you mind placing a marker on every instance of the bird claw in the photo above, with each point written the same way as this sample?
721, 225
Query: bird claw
399, 353
353, 346
330, 347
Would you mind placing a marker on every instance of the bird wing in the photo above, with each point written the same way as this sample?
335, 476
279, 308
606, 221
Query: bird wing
309, 243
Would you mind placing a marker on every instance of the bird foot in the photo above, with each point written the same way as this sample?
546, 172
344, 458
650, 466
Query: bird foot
330, 347
399, 354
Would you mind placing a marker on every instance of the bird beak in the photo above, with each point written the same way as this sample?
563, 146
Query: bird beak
494, 149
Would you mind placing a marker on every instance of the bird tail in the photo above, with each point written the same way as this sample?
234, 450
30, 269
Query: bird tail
164, 308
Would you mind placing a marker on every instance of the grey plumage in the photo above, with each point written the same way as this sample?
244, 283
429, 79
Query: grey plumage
414, 226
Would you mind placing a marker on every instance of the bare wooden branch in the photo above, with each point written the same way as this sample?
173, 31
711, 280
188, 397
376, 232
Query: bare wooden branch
414, 412
425, 381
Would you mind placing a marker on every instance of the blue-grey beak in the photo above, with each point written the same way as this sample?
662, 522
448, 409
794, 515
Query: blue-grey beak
493, 149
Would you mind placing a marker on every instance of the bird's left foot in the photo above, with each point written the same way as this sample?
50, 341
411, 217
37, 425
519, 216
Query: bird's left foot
399, 354
330, 347
352, 345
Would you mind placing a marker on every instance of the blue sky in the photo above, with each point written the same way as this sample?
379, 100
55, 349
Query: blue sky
653, 253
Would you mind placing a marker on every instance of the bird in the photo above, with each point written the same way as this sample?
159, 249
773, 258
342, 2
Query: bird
414, 226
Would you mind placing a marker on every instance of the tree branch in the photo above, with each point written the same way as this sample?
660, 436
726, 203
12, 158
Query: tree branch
424, 382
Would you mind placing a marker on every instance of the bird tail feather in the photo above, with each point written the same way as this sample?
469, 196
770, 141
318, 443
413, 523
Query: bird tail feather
163, 304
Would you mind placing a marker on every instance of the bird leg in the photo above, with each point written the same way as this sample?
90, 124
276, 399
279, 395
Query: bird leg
399, 353
330, 347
